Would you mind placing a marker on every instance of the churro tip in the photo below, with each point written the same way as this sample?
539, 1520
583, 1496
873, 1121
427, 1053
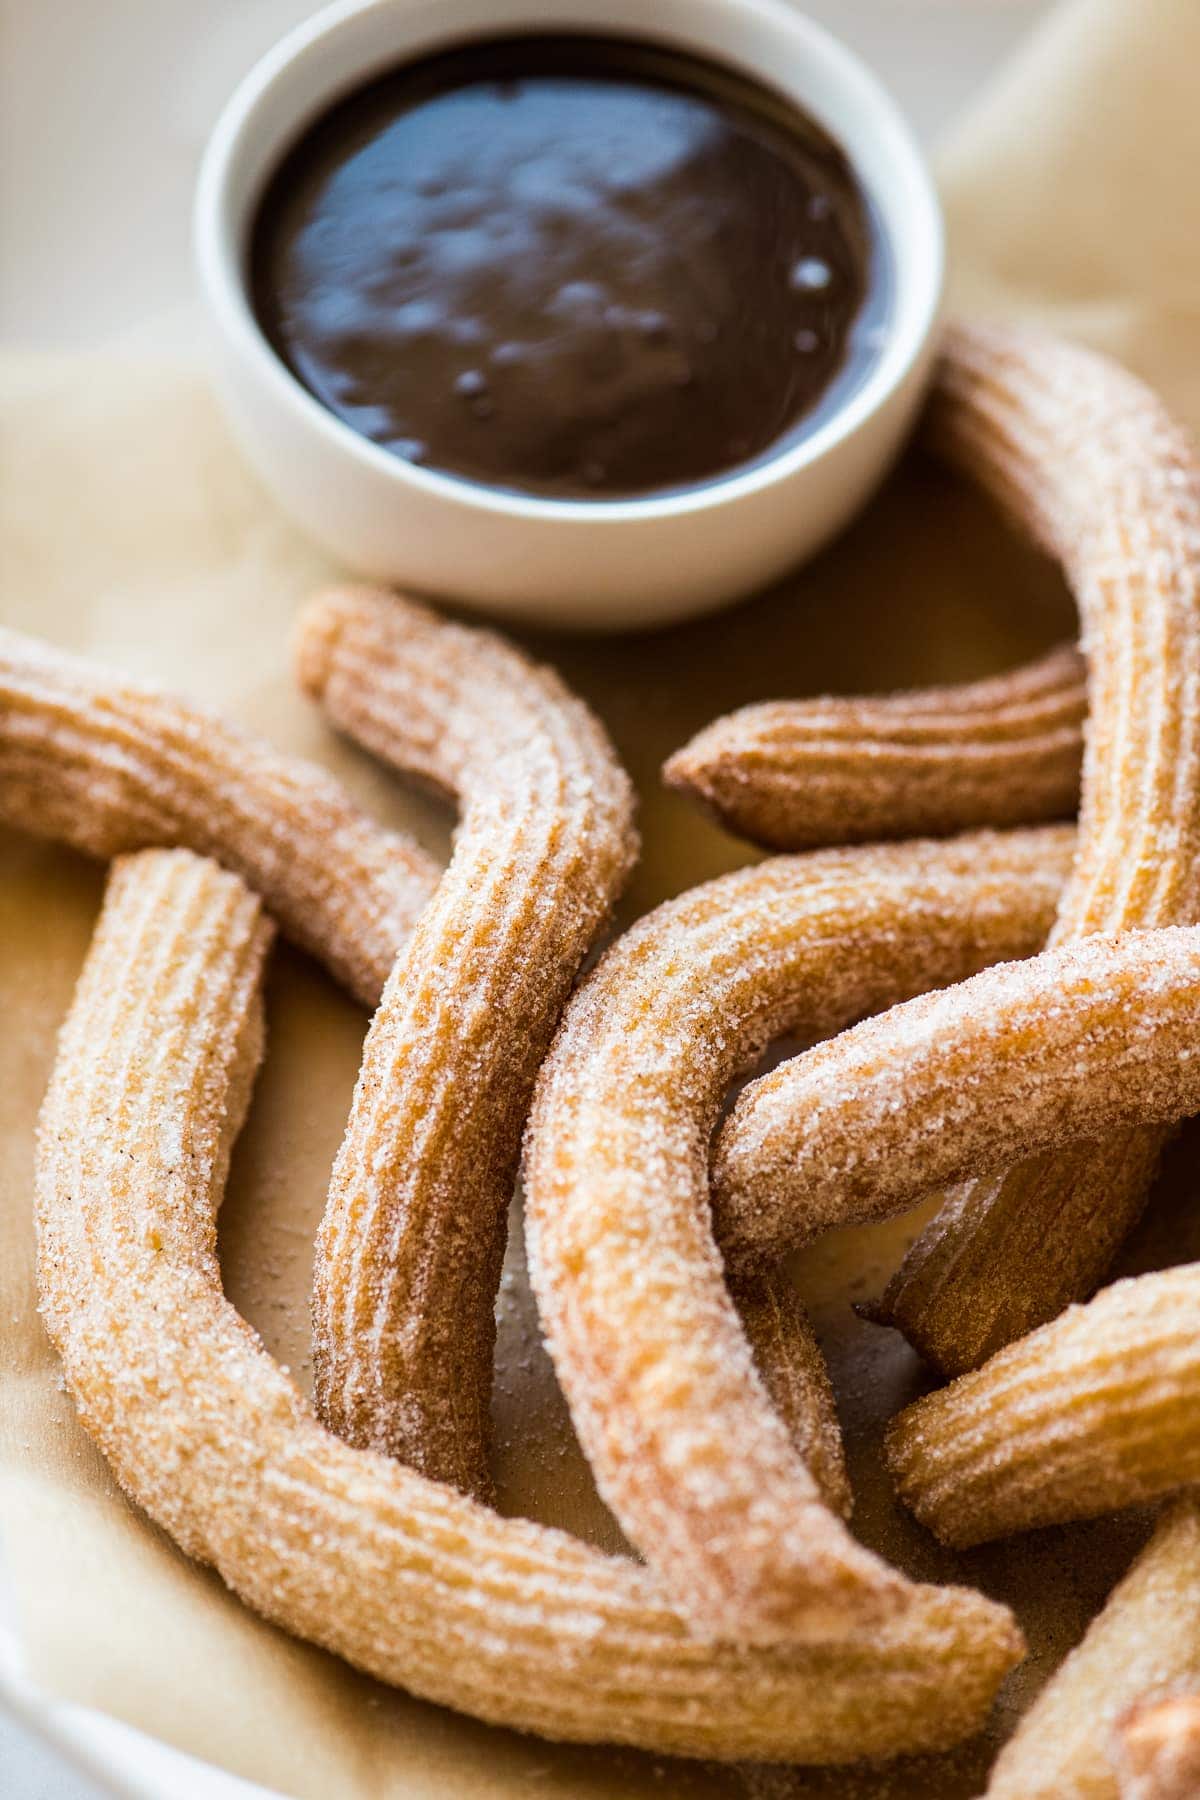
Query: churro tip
317, 634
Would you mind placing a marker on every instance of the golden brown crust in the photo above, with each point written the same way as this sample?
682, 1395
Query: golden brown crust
1156, 1747
1098, 1410
1145, 1640
798, 774
792, 1369
409, 1249
638, 1320
1022, 1058
107, 765
1089, 463
516, 1623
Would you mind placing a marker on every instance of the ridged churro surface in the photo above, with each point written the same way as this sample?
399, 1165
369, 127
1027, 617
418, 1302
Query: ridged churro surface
1024, 1057
1097, 1410
646, 1342
1144, 1642
1089, 463
791, 1367
410, 1247
107, 765
415, 1583
797, 774
1156, 1749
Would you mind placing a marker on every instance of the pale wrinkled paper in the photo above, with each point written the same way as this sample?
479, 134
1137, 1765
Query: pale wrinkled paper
131, 531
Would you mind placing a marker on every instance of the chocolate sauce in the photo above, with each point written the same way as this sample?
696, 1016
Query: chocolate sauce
572, 266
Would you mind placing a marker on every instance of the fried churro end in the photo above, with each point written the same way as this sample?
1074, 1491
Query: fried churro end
317, 634
1155, 1749
1143, 1645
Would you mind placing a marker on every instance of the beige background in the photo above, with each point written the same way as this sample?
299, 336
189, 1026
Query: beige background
131, 530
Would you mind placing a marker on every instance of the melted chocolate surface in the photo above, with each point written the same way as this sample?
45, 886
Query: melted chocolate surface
576, 267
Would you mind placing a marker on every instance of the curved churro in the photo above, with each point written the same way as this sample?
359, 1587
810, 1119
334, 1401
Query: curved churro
107, 766
1145, 1641
1020, 1059
1156, 1748
796, 774
516, 1623
409, 1249
1098, 1410
1089, 462
676, 1425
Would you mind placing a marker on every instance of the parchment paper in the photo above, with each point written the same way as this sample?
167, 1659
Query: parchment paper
131, 530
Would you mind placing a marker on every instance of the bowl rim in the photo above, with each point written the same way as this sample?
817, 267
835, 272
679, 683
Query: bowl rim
222, 206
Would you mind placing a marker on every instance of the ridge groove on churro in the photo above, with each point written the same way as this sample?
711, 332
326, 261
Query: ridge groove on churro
516, 1623
1088, 461
645, 1339
1024, 1057
790, 1365
1098, 1410
798, 774
107, 766
1143, 1643
409, 1249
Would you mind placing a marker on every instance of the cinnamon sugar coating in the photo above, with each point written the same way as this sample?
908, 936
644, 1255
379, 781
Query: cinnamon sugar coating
1089, 463
1098, 1410
796, 774
1156, 1748
644, 1336
410, 1246
1021, 1059
418, 1585
1144, 1642
792, 1368
108, 765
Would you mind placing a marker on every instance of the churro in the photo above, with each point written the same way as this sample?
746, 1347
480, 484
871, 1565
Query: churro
1145, 1641
638, 1319
410, 1246
1088, 461
797, 774
107, 765
1022, 1058
514, 1622
792, 1369
1098, 1410
1156, 1748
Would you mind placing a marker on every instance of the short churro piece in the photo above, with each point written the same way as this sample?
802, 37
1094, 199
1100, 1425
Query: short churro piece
1090, 464
1098, 1410
1022, 1058
795, 774
1156, 1747
1145, 1641
107, 766
409, 1249
513, 1622
676, 1424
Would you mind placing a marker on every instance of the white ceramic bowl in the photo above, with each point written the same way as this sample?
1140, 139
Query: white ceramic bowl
590, 564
